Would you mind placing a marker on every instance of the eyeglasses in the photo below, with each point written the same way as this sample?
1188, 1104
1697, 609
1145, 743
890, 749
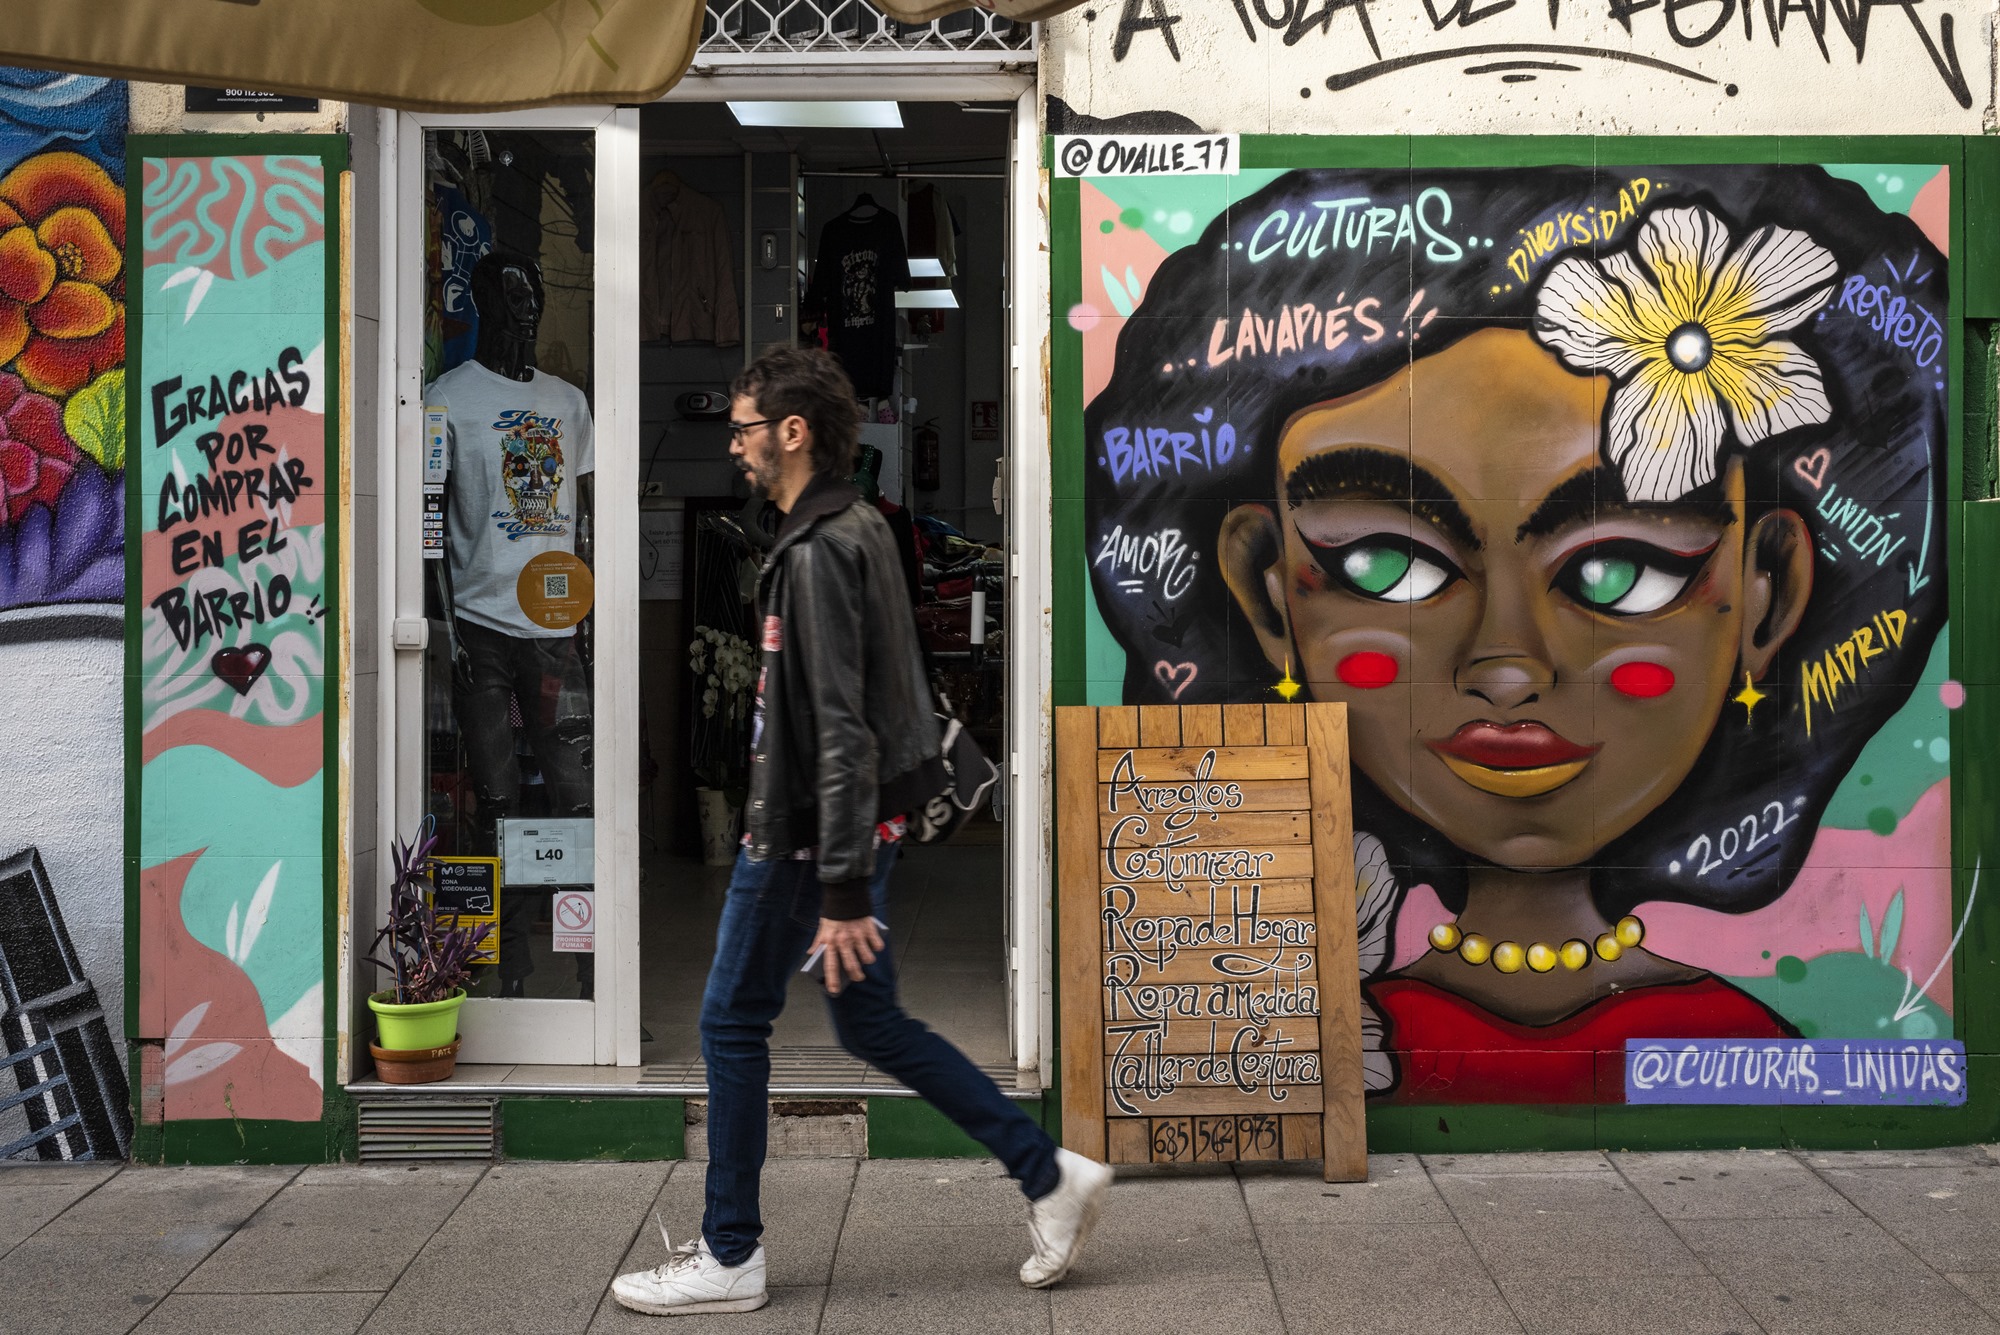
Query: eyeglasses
736, 429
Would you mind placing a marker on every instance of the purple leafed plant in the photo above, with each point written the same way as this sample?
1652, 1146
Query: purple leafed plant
430, 961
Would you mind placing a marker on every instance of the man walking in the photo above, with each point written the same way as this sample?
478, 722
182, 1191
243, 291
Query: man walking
844, 744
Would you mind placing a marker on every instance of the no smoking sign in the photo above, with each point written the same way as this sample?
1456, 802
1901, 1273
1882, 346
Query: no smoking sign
576, 921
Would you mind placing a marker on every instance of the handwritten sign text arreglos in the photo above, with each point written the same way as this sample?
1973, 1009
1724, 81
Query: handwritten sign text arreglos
1211, 986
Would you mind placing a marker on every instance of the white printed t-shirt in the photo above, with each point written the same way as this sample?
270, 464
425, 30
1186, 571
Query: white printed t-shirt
514, 451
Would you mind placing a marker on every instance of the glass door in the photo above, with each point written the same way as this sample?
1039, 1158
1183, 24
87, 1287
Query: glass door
517, 565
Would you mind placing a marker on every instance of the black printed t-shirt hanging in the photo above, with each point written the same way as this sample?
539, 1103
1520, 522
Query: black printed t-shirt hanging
862, 262
514, 451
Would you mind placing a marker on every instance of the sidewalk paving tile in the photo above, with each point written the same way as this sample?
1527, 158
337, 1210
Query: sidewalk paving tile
550, 1234
1748, 1184
106, 1261
1397, 1191
1479, 1200
975, 1256
1647, 1305
290, 1313
32, 1194
1920, 1193
337, 1229
1982, 1286
1747, 1246
1414, 1255
925, 1192
941, 1281
1198, 1224
1530, 1164
1950, 1156
1861, 1298
793, 1310
1198, 1307
1460, 1303
803, 1205
1627, 1247
1949, 1242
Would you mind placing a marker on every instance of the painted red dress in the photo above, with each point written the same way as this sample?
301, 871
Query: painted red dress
1450, 1050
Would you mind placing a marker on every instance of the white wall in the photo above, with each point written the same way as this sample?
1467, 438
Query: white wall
1670, 67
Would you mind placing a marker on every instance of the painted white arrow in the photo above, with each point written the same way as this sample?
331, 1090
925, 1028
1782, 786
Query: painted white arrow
1913, 999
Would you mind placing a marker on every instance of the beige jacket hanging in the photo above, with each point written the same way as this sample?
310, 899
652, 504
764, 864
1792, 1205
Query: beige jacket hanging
687, 280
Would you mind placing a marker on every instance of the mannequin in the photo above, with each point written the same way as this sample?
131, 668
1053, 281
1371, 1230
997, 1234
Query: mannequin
519, 450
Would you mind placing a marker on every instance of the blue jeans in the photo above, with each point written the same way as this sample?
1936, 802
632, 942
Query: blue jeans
768, 925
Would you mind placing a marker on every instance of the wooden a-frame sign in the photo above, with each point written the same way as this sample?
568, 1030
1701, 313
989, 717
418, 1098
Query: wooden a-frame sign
1211, 1003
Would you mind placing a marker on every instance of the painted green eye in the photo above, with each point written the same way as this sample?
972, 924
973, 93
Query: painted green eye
1374, 570
1387, 567
1625, 577
1603, 580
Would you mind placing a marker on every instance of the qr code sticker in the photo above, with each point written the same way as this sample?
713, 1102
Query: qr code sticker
555, 586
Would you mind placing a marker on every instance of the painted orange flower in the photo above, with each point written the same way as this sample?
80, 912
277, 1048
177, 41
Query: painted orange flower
62, 260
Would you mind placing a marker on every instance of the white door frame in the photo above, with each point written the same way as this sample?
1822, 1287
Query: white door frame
531, 1030
614, 1035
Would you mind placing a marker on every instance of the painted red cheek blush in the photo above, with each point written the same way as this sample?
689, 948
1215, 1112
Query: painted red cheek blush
1642, 681
1367, 671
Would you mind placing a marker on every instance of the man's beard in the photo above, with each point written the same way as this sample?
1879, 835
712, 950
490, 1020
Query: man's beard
763, 478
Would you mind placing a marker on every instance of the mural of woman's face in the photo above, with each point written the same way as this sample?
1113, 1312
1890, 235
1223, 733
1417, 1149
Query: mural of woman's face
1530, 664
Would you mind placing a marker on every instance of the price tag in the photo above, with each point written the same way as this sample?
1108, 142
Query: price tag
549, 851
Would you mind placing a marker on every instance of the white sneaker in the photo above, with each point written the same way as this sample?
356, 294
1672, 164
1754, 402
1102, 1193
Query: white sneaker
1062, 1220
692, 1280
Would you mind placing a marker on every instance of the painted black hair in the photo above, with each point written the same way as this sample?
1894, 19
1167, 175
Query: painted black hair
1413, 262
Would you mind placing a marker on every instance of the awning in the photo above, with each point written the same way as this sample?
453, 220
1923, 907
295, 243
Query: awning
438, 55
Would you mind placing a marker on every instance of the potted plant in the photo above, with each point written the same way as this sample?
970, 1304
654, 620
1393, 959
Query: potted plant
725, 671
417, 1019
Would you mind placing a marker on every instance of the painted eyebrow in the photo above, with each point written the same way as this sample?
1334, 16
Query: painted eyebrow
1581, 498
1361, 473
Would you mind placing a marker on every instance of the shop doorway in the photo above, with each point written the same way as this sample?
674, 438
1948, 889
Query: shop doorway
744, 233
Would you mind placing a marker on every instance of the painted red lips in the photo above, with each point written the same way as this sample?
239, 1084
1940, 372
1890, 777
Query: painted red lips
1526, 745
1518, 760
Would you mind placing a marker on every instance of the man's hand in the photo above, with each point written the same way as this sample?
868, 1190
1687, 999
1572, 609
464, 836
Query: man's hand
850, 946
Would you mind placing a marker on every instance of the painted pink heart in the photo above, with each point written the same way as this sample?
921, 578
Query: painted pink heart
1176, 677
241, 667
1812, 467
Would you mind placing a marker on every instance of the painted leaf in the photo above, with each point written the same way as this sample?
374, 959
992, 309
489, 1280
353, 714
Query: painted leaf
1115, 290
95, 420
1892, 926
1867, 934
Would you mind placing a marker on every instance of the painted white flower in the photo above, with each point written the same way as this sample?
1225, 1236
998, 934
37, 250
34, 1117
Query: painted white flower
1685, 328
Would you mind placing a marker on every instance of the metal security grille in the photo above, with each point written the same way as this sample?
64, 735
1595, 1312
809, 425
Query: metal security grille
70, 1096
424, 1129
763, 26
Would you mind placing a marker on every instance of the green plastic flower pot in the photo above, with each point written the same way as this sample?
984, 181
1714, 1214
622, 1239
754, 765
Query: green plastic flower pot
429, 1024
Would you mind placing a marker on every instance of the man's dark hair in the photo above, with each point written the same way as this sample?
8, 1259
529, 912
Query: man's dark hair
808, 383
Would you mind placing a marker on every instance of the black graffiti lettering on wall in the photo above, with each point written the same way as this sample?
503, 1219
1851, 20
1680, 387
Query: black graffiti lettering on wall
1145, 16
1689, 24
177, 406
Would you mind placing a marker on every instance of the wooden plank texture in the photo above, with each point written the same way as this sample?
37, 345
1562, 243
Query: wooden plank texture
1237, 829
1150, 899
1117, 725
1159, 725
1281, 966
1140, 866
1243, 725
1080, 969
1170, 764
1201, 725
1196, 1100
1284, 725
1346, 1129
1129, 1140
1298, 1034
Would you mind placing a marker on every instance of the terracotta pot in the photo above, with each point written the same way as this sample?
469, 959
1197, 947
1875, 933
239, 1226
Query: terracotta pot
419, 1067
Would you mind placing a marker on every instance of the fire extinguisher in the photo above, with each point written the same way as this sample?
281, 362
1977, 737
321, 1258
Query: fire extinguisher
926, 441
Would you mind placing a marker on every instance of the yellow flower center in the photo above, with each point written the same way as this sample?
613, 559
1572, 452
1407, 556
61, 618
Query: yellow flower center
69, 259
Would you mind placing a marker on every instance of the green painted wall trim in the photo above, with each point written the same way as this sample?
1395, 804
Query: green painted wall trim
572, 1129
904, 1128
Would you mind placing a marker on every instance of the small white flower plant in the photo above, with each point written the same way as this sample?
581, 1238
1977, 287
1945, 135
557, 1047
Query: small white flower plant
725, 666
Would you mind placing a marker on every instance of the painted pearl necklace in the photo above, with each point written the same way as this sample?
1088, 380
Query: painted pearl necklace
1510, 956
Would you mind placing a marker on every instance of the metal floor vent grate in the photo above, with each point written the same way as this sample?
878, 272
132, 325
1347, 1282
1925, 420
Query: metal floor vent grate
808, 1067
410, 1129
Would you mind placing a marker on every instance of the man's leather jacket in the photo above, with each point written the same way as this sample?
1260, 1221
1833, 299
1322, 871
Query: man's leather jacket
847, 734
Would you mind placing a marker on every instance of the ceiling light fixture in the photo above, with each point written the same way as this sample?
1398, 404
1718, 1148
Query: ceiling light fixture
819, 115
